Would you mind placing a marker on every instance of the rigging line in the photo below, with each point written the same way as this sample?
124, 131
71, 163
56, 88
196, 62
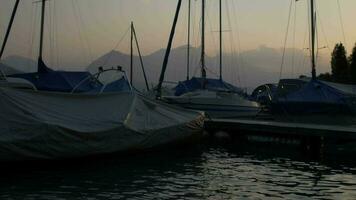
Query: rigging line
303, 47
55, 21
52, 32
317, 33
196, 58
196, 36
212, 36
193, 21
49, 29
78, 25
82, 36
212, 32
236, 17
116, 46
212, 71
310, 33
140, 57
294, 36
197, 40
323, 31
86, 40
32, 31
341, 22
232, 42
286, 39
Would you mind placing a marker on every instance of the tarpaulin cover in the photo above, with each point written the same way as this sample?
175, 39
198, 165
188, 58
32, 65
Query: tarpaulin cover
52, 125
120, 85
315, 91
61, 81
208, 83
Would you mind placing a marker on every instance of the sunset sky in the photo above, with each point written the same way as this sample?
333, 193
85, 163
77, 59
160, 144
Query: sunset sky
79, 31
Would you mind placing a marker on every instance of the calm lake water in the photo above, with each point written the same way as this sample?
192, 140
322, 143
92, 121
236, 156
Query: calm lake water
206, 172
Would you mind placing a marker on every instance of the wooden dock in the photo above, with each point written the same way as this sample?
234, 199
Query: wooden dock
237, 127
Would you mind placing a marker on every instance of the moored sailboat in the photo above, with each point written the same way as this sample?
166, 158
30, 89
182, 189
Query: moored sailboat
298, 96
216, 97
57, 114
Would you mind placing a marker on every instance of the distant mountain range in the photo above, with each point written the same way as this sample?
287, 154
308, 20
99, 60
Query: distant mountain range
248, 70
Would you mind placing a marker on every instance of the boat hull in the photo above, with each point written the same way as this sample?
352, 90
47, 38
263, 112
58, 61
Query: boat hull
222, 111
217, 104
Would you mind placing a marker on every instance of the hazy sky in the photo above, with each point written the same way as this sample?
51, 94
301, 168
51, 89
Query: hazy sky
79, 31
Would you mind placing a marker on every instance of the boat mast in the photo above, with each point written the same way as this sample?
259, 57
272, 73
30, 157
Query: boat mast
220, 32
188, 47
131, 55
9, 28
168, 50
40, 60
203, 72
312, 32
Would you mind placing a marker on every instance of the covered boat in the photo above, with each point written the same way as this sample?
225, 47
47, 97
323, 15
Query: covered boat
51, 125
52, 114
296, 96
311, 96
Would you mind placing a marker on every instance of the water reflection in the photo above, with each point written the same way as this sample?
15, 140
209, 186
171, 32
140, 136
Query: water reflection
209, 172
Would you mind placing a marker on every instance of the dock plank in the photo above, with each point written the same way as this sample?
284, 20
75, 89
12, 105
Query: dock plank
285, 128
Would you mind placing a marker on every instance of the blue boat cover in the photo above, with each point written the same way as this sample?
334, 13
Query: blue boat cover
119, 85
315, 92
61, 81
208, 83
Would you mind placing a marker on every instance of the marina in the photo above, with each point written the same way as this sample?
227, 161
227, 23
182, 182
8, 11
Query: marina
164, 109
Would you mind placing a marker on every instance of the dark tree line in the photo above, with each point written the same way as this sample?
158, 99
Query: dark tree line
343, 68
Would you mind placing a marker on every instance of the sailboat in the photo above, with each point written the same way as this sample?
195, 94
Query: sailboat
57, 114
304, 96
216, 97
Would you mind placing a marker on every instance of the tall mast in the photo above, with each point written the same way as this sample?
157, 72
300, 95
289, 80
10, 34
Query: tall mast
168, 50
42, 28
312, 32
203, 72
220, 32
9, 28
131, 55
41, 66
188, 47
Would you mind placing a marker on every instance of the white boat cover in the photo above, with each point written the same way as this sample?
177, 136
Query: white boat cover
50, 125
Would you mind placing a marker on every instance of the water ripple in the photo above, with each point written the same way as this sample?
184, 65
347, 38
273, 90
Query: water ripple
212, 173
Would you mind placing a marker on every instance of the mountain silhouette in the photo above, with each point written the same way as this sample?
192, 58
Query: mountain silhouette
248, 69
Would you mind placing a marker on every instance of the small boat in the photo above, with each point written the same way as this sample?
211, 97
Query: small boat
58, 114
217, 98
